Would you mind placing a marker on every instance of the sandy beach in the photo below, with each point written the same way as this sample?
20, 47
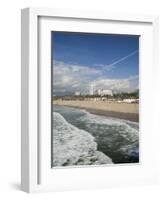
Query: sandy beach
113, 109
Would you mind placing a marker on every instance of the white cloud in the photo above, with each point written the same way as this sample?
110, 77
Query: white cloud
114, 84
105, 67
68, 78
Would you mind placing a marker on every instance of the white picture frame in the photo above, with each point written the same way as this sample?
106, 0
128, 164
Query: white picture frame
36, 172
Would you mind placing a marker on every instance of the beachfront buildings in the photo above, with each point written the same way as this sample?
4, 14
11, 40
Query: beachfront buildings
102, 92
131, 100
99, 92
77, 93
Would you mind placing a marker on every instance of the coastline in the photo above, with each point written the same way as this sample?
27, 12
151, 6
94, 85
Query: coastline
121, 111
134, 117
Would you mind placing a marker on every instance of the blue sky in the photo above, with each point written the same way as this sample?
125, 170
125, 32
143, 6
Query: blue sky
80, 59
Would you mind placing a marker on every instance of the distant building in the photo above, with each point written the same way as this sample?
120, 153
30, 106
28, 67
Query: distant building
131, 100
104, 92
77, 93
91, 89
98, 92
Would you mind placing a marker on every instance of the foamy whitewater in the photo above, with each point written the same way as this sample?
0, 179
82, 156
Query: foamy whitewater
81, 138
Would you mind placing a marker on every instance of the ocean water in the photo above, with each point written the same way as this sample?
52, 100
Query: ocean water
74, 146
91, 139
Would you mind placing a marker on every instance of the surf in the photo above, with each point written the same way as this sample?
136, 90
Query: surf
73, 146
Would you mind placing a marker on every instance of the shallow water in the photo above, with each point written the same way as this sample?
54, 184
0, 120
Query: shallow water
116, 138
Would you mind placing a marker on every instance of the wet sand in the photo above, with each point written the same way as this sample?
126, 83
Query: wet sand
127, 116
111, 109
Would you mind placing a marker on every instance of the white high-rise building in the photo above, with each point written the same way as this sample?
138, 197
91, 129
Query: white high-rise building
98, 92
91, 89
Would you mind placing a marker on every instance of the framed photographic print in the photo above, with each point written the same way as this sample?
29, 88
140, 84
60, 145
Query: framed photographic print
88, 117
95, 103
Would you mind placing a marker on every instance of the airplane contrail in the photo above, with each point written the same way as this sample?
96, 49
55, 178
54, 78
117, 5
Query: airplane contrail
123, 58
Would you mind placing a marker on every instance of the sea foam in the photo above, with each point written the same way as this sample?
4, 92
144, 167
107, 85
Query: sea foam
124, 127
74, 146
116, 135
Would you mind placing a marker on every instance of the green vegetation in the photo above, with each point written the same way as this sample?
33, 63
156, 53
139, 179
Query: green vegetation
121, 96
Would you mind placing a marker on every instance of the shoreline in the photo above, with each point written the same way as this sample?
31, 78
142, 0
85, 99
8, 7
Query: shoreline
120, 115
131, 116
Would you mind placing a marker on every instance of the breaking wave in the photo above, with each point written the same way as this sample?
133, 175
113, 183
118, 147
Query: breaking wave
115, 138
73, 146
